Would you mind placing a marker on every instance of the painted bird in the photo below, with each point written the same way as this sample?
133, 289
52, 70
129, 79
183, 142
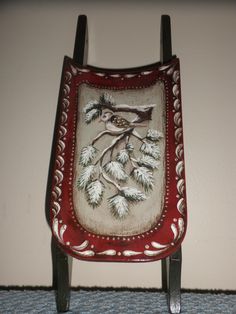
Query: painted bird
117, 124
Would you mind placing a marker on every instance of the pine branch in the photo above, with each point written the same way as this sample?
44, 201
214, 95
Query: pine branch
92, 115
132, 194
87, 154
116, 170
86, 176
119, 206
93, 104
143, 176
122, 156
107, 99
148, 161
154, 135
94, 193
151, 149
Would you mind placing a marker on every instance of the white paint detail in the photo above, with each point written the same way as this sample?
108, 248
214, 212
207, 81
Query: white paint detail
170, 71
175, 231
87, 253
66, 89
178, 134
180, 206
115, 75
60, 161
62, 131
61, 146
68, 76
62, 231
176, 76
58, 232
55, 227
57, 191
157, 245
177, 104
177, 119
65, 103
56, 207
74, 70
108, 252
181, 227
63, 117
179, 151
81, 246
58, 176
175, 90
164, 67
146, 72
83, 70
180, 168
131, 253
153, 253
180, 187
130, 75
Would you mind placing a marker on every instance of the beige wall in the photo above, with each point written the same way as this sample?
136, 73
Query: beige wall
34, 38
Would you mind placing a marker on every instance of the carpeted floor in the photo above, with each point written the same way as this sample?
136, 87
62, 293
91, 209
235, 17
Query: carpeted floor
114, 302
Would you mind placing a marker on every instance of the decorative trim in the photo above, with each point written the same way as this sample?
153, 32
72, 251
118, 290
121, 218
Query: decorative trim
88, 249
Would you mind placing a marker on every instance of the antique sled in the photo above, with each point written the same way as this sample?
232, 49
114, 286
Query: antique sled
116, 188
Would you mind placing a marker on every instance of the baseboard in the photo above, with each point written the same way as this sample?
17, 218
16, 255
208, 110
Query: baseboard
95, 288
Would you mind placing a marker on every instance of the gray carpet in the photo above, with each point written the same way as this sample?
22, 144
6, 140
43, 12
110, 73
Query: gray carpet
114, 302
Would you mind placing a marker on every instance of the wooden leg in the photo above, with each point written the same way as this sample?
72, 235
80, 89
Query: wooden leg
164, 274
54, 263
174, 282
62, 265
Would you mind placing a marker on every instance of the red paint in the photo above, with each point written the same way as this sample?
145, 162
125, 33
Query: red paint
62, 187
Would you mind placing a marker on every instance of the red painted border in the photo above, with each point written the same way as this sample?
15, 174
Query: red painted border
166, 236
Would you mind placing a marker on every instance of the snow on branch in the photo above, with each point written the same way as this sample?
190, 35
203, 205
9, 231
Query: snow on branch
119, 164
